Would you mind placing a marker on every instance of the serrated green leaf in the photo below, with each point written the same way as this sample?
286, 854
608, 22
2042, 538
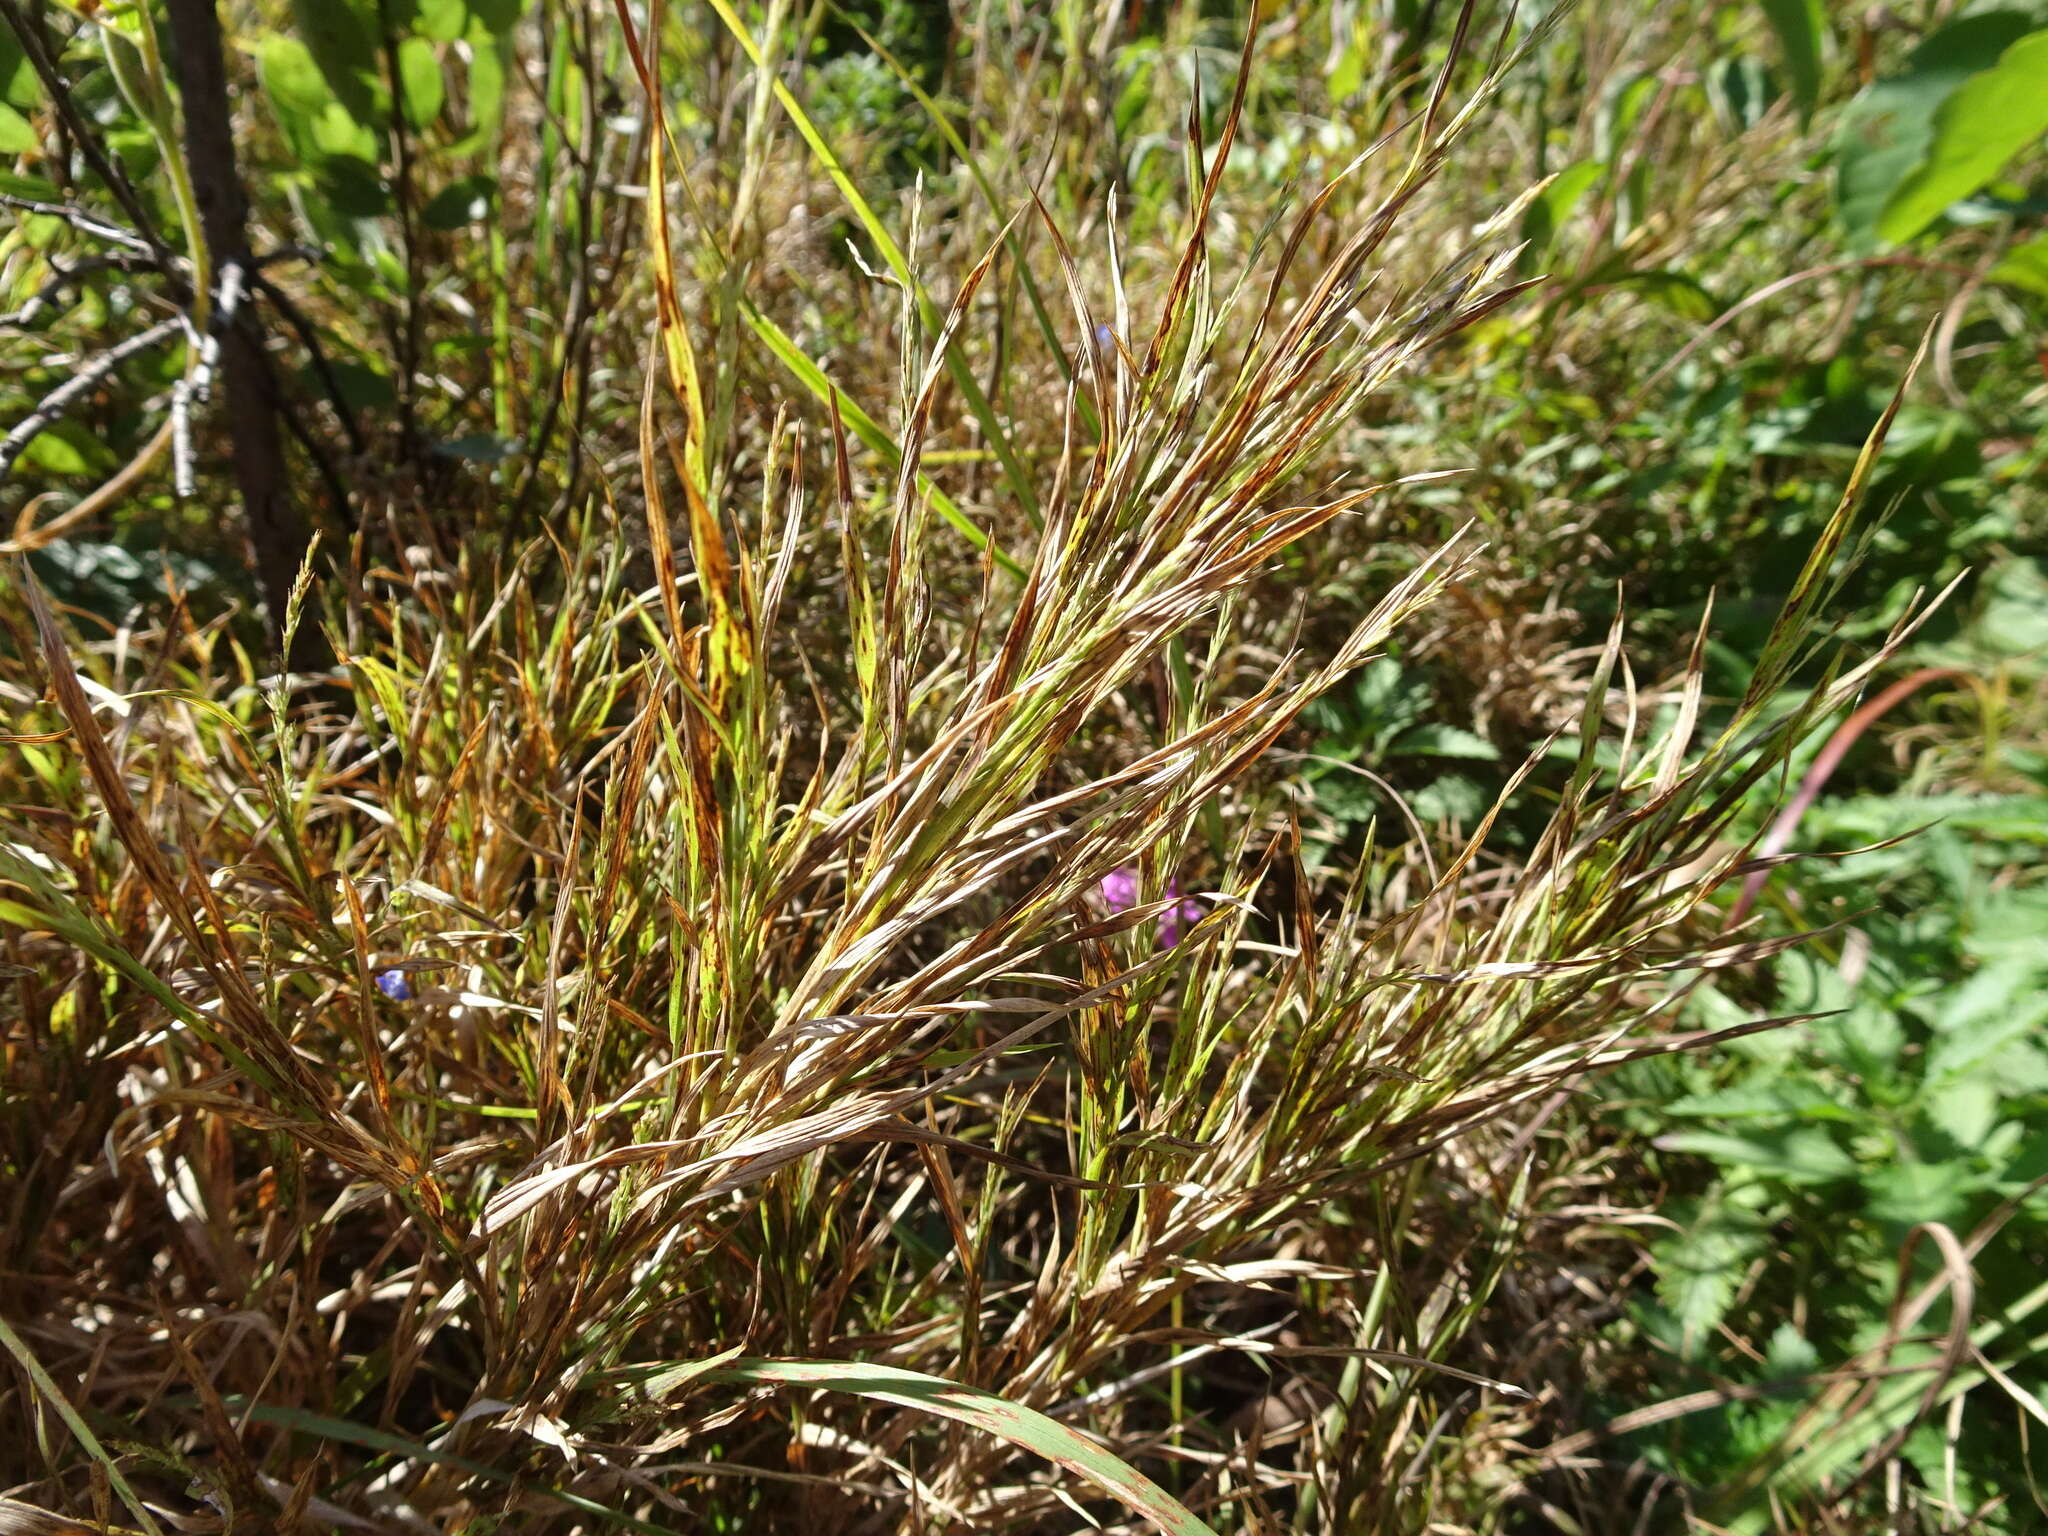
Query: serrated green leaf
1964, 1108
1803, 1155
1700, 1267
1911, 1193
2012, 620
1792, 1098
1790, 1353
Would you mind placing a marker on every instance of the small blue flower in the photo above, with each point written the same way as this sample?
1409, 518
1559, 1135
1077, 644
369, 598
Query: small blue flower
394, 986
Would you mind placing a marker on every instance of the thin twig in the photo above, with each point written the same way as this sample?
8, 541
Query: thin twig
80, 384
309, 338
1817, 777
80, 219
62, 277
64, 98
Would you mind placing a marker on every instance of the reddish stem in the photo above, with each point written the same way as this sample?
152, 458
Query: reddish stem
1822, 769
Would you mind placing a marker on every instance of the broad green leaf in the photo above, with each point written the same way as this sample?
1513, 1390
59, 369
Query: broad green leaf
1023, 1427
351, 185
1742, 89
478, 448
35, 188
419, 72
18, 84
496, 15
2025, 266
467, 201
1801, 26
485, 99
337, 133
361, 386
1347, 73
1983, 124
17, 134
66, 448
442, 21
342, 37
1889, 129
1546, 215
292, 80
1450, 797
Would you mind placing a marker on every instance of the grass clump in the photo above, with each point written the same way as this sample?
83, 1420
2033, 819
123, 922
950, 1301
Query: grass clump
799, 986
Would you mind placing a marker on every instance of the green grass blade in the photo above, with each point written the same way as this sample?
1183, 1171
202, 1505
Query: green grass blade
899, 266
966, 156
865, 427
40, 1380
1023, 1427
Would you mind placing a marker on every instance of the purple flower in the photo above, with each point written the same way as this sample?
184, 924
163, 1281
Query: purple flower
1119, 892
394, 986
1120, 889
1177, 919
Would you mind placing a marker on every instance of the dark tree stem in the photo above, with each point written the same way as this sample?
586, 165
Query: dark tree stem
277, 530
